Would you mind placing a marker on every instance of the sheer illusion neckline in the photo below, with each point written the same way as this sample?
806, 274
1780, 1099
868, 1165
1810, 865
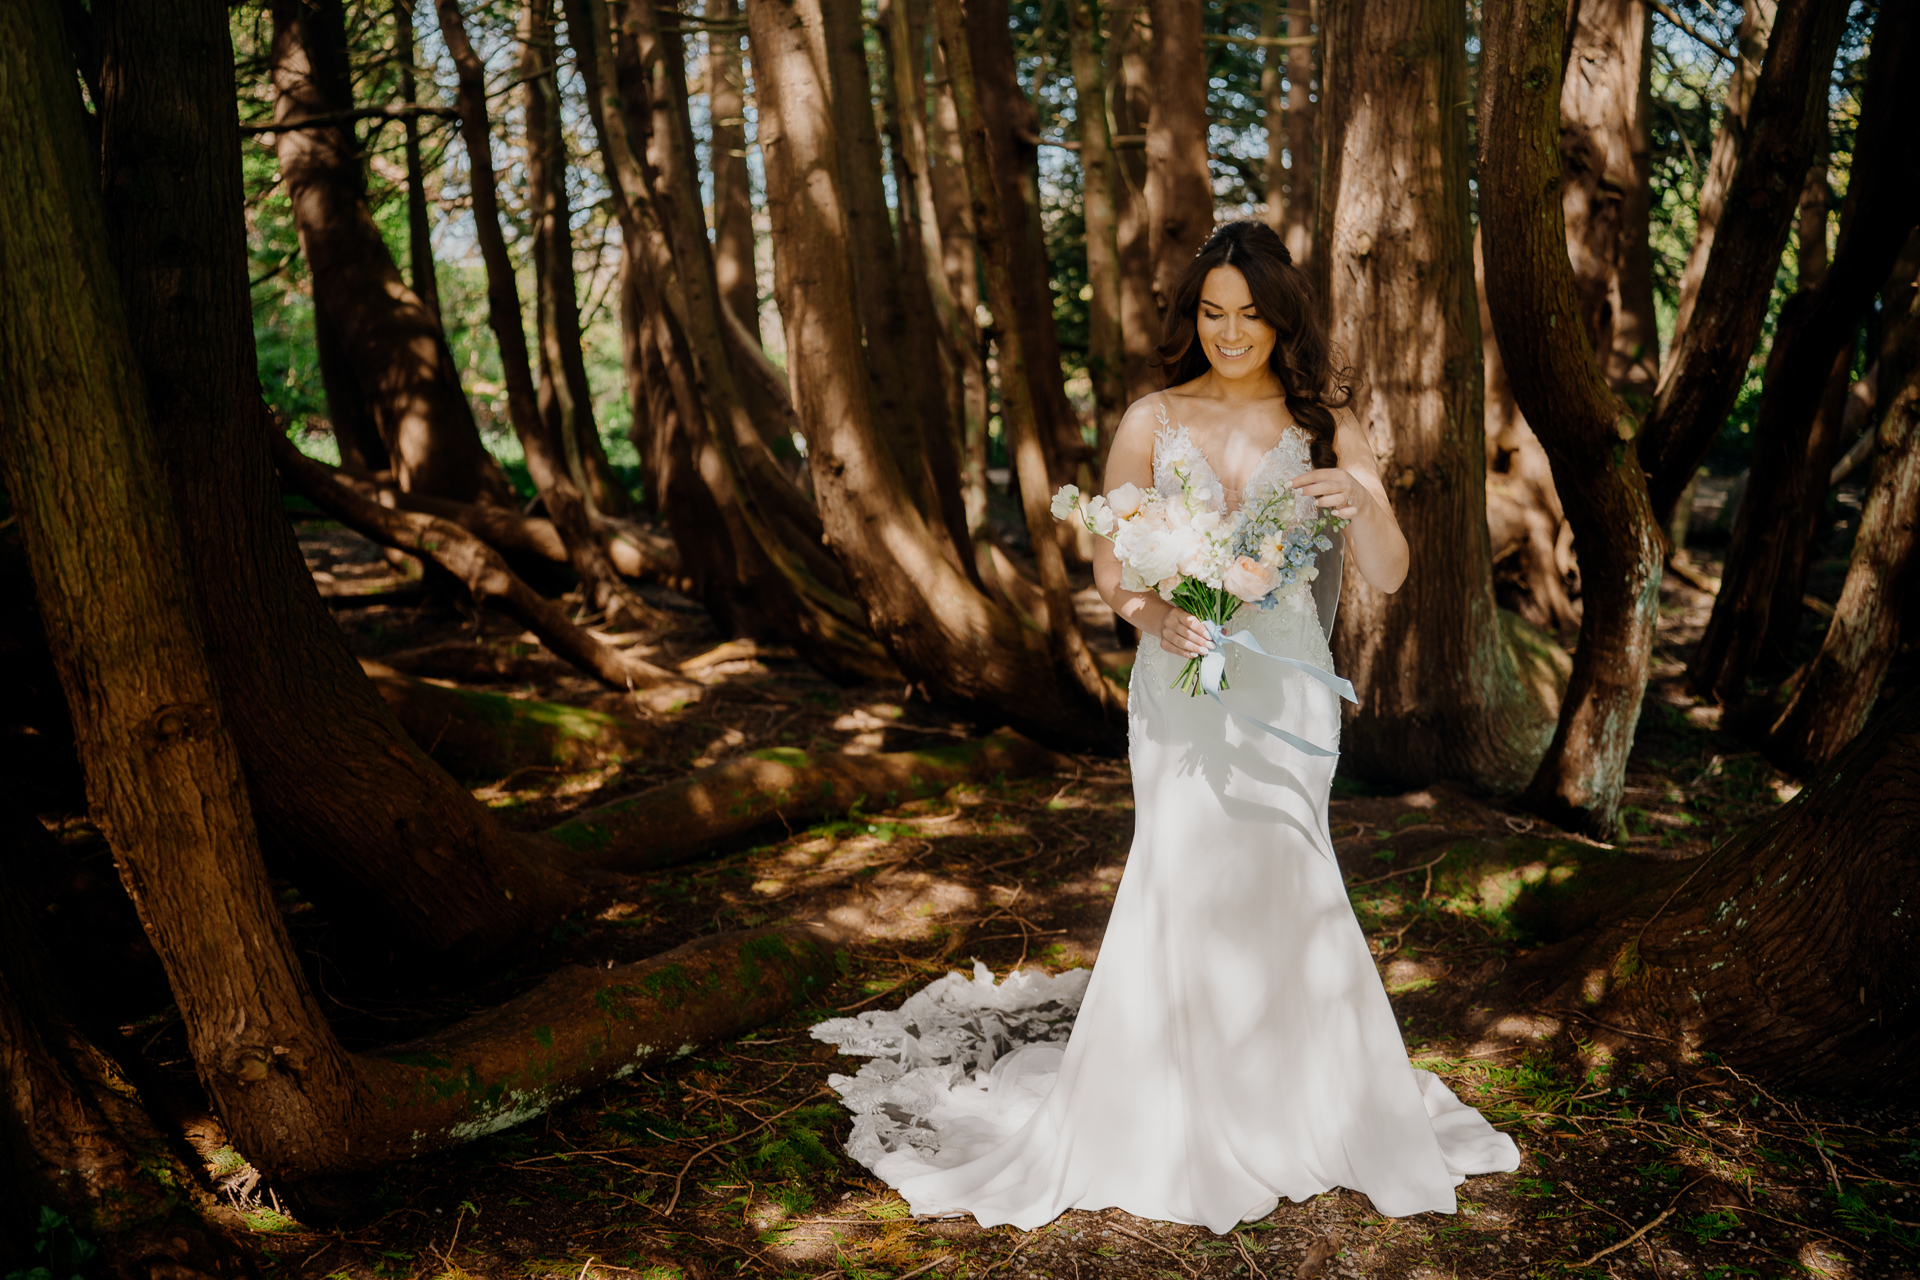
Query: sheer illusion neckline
1292, 442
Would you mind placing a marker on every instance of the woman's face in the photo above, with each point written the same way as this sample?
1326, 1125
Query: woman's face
1236, 339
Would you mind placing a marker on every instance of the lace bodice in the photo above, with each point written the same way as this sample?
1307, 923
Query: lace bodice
1173, 446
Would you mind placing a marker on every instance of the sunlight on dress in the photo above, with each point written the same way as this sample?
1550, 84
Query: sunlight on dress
1234, 1043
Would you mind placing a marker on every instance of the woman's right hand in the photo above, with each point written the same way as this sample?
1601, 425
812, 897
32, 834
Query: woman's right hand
1184, 634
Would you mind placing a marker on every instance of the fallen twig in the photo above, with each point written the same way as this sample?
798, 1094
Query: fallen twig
1666, 1213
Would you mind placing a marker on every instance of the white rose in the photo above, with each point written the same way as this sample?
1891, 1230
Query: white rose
1207, 521
1126, 500
1065, 500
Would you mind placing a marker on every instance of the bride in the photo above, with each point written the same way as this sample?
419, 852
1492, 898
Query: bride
1234, 1043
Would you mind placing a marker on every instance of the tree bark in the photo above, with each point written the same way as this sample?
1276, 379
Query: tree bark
546, 459
339, 791
1179, 187
1443, 693
1099, 188
1816, 328
1303, 138
1131, 98
1585, 428
1840, 687
1714, 338
733, 236
392, 363
940, 629
426, 285
566, 398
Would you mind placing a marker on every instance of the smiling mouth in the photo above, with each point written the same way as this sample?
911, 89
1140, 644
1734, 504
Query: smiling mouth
1233, 353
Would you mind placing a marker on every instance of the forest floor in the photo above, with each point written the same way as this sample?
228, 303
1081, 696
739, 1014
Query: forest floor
730, 1162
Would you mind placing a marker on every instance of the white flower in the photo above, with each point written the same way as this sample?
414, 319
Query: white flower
1207, 521
1065, 500
1126, 500
1102, 517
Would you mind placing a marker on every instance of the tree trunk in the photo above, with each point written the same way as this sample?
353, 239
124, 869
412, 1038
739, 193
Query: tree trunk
1714, 338
392, 363
546, 461
1605, 102
426, 285
1013, 157
1585, 428
1443, 693
566, 399
1179, 186
1816, 327
339, 791
941, 630
733, 237
1303, 136
1099, 187
1131, 98
1787, 951
1840, 687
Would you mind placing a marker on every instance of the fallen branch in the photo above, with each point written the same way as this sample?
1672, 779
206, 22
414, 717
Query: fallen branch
469, 559
1664, 1215
686, 819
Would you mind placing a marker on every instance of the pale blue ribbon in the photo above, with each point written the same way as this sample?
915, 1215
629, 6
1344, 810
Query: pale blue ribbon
1213, 665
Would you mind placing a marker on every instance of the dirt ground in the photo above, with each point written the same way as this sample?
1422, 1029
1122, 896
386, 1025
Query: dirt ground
730, 1162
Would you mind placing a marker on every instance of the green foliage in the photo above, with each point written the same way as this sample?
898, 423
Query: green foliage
59, 1251
806, 1141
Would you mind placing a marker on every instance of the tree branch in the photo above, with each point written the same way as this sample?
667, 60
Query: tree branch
332, 118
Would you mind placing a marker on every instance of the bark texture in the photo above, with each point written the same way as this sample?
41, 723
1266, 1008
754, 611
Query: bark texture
340, 794
1585, 428
1443, 693
1817, 326
1715, 338
1179, 189
1100, 186
426, 284
733, 237
390, 361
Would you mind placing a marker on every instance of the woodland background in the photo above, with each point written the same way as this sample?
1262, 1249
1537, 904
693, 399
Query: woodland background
527, 561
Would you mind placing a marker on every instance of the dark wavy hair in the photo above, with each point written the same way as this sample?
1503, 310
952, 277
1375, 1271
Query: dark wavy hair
1303, 358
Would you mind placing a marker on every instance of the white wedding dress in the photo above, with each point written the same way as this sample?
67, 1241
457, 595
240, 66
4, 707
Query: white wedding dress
1233, 1045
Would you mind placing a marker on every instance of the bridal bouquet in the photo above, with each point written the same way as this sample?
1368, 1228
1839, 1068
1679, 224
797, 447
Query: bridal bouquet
1206, 561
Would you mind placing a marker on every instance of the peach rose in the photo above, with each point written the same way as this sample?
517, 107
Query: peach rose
1249, 579
1126, 500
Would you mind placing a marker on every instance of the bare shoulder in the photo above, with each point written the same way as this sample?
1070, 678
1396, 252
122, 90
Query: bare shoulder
1130, 457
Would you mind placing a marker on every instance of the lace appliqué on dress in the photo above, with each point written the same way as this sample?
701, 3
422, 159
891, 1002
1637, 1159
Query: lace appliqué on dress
956, 1037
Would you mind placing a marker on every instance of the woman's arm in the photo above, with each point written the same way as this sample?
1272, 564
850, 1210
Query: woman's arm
1353, 491
1130, 461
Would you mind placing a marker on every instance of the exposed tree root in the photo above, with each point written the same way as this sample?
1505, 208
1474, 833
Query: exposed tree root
476, 735
472, 561
687, 818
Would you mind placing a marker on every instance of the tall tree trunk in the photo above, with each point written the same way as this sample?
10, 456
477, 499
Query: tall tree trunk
162, 771
546, 460
1815, 329
364, 819
566, 398
959, 261
750, 539
1013, 152
1443, 695
1179, 187
393, 356
1130, 95
1099, 187
942, 630
426, 285
1586, 429
1840, 687
1293, 142
1714, 337
733, 237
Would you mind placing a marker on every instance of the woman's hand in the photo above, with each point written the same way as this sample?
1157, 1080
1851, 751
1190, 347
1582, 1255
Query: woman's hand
1184, 634
1335, 490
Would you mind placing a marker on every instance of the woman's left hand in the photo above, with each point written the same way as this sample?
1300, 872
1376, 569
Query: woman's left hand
1336, 491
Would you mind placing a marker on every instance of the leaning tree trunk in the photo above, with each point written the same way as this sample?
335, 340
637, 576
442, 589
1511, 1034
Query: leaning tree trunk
1179, 187
546, 461
1814, 329
1840, 687
1444, 694
1586, 429
733, 237
392, 362
340, 792
942, 631
1707, 362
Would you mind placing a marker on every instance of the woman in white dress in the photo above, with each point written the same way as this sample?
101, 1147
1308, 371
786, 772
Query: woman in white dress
1234, 1043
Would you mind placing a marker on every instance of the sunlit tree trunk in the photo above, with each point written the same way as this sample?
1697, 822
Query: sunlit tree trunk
1099, 186
1443, 695
1293, 145
733, 238
1840, 687
1131, 99
390, 361
1719, 322
1179, 188
426, 285
344, 800
1816, 327
1584, 427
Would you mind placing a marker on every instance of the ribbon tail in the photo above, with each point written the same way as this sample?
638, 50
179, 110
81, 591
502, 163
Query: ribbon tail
1293, 740
1336, 683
